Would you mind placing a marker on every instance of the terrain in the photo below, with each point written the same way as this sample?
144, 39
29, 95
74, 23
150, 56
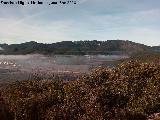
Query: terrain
129, 91
109, 47
67, 67
81, 80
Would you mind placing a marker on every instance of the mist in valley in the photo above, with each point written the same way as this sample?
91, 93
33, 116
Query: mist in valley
20, 67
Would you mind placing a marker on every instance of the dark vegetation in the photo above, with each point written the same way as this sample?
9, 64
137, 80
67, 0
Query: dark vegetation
128, 92
108, 47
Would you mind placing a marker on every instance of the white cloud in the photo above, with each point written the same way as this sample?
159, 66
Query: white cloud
22, 31
94, 28
91, 19
146, 36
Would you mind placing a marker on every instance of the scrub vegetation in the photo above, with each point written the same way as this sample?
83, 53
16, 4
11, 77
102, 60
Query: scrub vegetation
129, 91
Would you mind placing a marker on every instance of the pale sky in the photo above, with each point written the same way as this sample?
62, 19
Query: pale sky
134, 20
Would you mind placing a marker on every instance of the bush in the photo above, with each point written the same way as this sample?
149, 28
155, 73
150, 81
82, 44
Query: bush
128, 92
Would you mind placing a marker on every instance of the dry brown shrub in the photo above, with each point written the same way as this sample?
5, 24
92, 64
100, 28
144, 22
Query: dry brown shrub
128, 92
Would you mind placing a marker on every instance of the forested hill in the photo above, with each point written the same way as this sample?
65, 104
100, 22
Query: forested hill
78, 48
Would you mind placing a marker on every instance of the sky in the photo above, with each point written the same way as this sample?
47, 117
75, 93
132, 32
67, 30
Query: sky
134, 20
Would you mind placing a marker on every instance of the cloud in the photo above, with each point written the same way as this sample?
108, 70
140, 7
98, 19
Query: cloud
89, 19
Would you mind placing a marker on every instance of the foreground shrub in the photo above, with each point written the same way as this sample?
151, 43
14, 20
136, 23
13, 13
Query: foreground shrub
128, 92
30, 99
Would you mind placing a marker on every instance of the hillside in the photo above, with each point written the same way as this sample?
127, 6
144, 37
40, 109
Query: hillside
78, 48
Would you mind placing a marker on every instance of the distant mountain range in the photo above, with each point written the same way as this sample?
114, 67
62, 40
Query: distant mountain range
109, 47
